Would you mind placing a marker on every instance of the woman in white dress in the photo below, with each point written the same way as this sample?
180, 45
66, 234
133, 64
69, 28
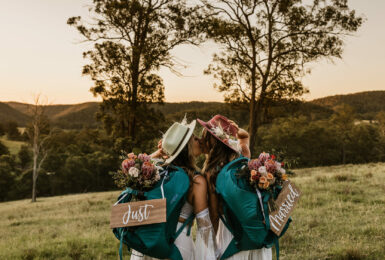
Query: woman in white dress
223, 141
180, 147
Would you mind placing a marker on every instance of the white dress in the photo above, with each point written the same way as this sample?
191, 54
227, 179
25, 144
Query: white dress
204, 247
224, 238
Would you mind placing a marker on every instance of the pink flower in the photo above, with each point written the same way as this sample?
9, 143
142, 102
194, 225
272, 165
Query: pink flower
144, 157
254, 164
270, 166
147, 170
127, 164
264, 157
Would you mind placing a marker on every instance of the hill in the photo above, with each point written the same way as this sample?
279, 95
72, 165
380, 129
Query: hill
367, 104
339, 216
65, 116
8, 113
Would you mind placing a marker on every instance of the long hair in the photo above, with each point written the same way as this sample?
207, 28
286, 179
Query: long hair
219, 155
186, 161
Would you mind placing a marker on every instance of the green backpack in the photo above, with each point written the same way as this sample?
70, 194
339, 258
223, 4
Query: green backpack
157, 240
244, 211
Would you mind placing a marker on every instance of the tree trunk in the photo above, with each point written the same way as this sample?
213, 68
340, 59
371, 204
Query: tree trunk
34, 177
252, 124
252, 111
35, 156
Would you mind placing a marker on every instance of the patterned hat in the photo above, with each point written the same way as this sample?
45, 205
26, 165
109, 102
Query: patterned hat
221, 128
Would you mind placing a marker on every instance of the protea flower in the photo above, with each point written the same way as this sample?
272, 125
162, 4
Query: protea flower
127, 164
147, 170
270, 166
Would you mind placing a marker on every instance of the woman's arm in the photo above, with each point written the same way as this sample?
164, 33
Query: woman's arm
244, 140
213, 204
205, 237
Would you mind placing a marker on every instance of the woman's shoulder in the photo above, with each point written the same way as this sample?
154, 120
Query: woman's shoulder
199, 179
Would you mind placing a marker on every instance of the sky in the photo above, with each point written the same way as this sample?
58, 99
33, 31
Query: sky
40, 53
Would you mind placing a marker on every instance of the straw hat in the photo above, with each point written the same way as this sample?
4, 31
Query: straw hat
176, 138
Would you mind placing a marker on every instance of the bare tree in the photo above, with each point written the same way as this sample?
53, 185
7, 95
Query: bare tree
38, 134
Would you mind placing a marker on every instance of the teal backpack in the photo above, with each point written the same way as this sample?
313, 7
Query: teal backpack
245, 211
157, 240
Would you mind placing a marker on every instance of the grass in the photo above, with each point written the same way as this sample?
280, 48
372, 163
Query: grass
13, 146
339, 216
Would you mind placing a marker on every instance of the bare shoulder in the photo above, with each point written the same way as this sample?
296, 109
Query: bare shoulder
200, 181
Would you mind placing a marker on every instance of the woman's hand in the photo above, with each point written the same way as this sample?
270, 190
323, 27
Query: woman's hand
241, 133
244, 141
159, 153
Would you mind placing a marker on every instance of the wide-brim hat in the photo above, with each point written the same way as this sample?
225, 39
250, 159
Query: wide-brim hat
221, 128
176, 138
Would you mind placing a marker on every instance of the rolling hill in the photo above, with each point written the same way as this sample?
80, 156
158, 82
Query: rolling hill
8, 113
366, 105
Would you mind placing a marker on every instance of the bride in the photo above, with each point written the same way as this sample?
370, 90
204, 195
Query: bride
180, 148
223, 141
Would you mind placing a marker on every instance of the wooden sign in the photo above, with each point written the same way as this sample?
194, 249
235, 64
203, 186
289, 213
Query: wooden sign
286, 201
138, 213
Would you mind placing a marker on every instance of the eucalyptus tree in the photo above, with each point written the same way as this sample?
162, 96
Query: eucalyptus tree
132, 40
38, 133
266, 45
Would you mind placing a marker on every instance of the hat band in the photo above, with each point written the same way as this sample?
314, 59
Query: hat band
180, 143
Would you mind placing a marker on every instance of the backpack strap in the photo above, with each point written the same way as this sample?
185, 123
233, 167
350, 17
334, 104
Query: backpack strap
232, 246
121, 244
230, 250
186, 222
276, 243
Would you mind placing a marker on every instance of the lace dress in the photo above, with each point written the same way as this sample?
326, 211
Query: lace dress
204, 247
224, 237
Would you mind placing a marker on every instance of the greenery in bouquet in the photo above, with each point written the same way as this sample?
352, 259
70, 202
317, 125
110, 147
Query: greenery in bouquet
137, 172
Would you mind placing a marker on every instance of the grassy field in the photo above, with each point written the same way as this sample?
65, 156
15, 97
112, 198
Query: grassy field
13, 146
340, 216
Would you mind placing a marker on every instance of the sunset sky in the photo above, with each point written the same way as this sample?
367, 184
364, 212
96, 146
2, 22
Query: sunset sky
40, 53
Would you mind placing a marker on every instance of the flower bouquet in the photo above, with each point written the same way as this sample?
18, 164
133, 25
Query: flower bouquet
266, 174
137, 172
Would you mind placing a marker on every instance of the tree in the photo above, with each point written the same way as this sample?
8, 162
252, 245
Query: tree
343, 122
132, 40
12, 131
7, 175
38, 134
2, 131
3, 149
267, 45
381, 122
25, 156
